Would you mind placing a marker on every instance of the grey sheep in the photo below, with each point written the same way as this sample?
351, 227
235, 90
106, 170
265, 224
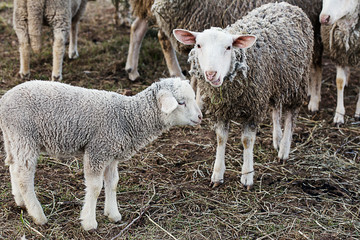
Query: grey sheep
341, 37
62, 15
242, 85
107, 127
200, 15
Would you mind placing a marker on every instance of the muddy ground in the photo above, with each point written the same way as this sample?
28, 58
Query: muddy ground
164, 192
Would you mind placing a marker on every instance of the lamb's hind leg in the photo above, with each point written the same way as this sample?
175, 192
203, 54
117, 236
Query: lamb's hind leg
248, 141
111, 178
289, 125
222, 132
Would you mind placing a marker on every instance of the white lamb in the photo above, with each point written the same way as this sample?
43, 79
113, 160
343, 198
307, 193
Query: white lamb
105, 126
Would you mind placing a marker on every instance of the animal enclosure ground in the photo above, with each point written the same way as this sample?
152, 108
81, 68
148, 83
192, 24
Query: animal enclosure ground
164, 188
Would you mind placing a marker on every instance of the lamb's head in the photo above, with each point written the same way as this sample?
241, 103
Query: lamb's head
176, 99
333, 10
214, 50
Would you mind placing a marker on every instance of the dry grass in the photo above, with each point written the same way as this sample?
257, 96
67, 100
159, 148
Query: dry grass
163, 191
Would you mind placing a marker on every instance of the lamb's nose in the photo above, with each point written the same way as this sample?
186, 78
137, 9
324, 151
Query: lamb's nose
325, 19
200, 116
210, 74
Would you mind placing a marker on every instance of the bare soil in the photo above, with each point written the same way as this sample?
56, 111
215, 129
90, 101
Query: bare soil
164, 192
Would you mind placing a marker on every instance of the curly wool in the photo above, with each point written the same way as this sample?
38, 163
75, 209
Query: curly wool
273, 73
203, 14
342, 40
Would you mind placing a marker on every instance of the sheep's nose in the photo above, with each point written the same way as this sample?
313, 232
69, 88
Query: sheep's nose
325, 19
210, 74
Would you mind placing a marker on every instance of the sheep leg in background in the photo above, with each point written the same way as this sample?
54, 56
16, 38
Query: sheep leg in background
357, 112
58, 54
342, 75
289, 124
222, 132
93, 183
277, 132
315, 88
170, 56
111, 178
138, 30
73, 51
22, 175
248, 141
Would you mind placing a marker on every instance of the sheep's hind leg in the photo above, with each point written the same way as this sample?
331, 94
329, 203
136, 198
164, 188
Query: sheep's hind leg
222, 132
314, 89
138, 30
94, 183
111, 178
58, 54
73, 51
342, 74
277, 132
285, 143
357, 112
248, 140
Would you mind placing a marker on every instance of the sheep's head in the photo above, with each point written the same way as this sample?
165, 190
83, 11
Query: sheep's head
214, 48
178, 103
333, 10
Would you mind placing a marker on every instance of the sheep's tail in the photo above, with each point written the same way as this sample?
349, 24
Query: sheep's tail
35, 10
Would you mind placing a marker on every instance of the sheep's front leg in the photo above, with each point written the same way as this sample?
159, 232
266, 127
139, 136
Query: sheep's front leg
277, 132
137, 33
170, 55
248, 141
342, 74
73, 51
222, 132
314, 89
94, 183
111, 178
58, 53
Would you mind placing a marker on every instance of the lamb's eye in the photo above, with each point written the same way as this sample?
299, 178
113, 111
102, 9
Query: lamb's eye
228, 48
182, 103
198, 45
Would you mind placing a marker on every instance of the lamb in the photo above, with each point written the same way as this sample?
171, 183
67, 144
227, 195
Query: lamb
341, 37
107, 127
241, 83
63, 16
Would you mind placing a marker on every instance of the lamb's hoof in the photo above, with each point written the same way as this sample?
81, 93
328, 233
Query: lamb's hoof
89, 225
74, 55
41, 220
115, 217
215, 184
339, 119
281, 161
25, 76
56, 78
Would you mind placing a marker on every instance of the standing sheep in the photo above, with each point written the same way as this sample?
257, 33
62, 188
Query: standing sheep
242, 85
341, 37
106, 126
62, 15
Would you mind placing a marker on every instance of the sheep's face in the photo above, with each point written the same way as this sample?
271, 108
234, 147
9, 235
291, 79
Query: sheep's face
333, 10
179, 105
214, 51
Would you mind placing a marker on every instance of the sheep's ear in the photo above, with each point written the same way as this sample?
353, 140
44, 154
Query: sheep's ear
243, 41
185, 36
166, 101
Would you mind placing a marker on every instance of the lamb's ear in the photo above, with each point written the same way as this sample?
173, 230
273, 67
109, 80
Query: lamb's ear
185, 36
243, 41
166, 101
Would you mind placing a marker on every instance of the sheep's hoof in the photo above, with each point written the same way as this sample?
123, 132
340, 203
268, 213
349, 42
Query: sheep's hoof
56, 78
216, 184
133, 75
281, 161
88, 225
25, 76
248, 187
74, 55
41, 221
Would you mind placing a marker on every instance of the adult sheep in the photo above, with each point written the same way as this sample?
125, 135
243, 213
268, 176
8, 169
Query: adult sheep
242, 85
341, 37
106, 126
62, 15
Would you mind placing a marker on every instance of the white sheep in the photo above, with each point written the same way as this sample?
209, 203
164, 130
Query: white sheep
243, 85
106, 126
62, 15
341, 37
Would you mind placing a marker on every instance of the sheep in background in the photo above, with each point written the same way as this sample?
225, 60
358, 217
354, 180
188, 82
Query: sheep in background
62, 15
341, 37
242, 85
106, 126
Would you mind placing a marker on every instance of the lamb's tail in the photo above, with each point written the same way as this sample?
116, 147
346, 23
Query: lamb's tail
35, 10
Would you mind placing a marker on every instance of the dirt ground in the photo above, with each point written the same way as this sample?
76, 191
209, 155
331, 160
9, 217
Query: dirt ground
164, 192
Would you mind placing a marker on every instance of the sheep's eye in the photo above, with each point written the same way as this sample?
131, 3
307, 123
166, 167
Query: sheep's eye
228, 48
182, 103
198, 46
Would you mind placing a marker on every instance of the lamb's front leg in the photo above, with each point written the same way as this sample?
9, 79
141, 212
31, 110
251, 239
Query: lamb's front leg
111, 177
248, 141
222, 132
